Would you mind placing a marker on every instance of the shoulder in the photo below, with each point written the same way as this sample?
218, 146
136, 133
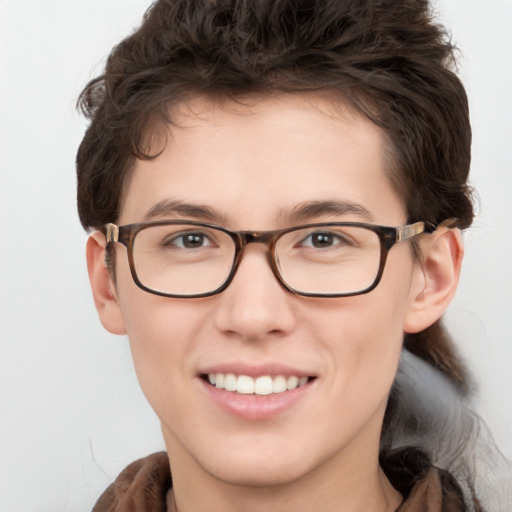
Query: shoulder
141, 486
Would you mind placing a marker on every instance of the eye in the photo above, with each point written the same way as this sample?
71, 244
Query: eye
189, 240
323, 240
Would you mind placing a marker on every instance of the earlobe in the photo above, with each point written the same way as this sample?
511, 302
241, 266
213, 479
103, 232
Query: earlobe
436, 279
103, 289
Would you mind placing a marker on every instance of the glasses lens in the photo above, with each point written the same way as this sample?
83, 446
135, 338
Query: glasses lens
329, 259
182, 259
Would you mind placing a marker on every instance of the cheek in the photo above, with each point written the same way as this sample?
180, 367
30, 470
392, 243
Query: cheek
161, 333
362, 338
363, 343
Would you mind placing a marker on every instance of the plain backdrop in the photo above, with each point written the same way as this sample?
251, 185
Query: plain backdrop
71, 413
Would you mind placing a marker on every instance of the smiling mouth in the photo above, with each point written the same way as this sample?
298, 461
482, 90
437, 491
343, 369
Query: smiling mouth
264, 385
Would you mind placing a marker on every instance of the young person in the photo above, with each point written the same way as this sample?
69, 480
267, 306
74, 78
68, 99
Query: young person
277, 190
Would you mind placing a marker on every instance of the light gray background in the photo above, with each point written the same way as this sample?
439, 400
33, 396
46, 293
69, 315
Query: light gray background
71, 413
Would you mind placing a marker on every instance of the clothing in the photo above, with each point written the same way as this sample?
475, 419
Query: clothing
143, 485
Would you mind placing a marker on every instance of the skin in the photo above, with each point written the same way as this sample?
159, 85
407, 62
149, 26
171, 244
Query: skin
253, 164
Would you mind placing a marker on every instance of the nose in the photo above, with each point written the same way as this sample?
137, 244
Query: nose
255, 305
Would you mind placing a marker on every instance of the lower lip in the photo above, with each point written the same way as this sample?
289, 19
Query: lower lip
256, 407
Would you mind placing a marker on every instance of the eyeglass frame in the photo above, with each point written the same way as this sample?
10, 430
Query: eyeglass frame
388, 237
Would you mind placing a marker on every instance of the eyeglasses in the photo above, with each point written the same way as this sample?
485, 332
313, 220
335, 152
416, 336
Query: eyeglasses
188, 259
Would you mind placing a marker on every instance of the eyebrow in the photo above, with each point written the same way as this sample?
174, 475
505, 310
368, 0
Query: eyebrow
171, 207
304, 211
311, 209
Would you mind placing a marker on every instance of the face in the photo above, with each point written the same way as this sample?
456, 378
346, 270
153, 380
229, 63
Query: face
252, 166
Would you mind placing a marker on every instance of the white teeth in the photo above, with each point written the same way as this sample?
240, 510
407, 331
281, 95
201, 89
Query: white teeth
245, 385
292, 383
264, 385
279, 384
230, 382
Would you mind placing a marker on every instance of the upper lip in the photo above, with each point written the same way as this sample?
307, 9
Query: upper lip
255, 370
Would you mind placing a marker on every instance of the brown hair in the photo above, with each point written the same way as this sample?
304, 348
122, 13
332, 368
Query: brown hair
388, 58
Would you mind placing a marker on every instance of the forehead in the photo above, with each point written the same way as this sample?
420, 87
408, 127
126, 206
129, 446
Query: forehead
252, 159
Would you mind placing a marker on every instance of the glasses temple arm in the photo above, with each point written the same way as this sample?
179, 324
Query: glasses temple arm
406, 232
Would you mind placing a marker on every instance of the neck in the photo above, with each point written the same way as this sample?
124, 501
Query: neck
358, 485
384, 499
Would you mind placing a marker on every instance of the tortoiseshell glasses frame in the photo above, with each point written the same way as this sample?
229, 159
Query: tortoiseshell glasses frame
219, 244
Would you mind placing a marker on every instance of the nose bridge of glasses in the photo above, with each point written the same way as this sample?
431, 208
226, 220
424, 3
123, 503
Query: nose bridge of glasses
266, 238
256, 237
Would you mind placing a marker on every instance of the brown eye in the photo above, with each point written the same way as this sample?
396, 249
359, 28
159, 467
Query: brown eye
191, 240
323, 240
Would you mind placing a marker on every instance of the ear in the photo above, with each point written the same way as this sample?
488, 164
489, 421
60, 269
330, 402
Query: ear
436, 278
103, 288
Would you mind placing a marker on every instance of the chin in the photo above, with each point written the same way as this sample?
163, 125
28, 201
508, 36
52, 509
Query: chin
265, 465
259, 473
